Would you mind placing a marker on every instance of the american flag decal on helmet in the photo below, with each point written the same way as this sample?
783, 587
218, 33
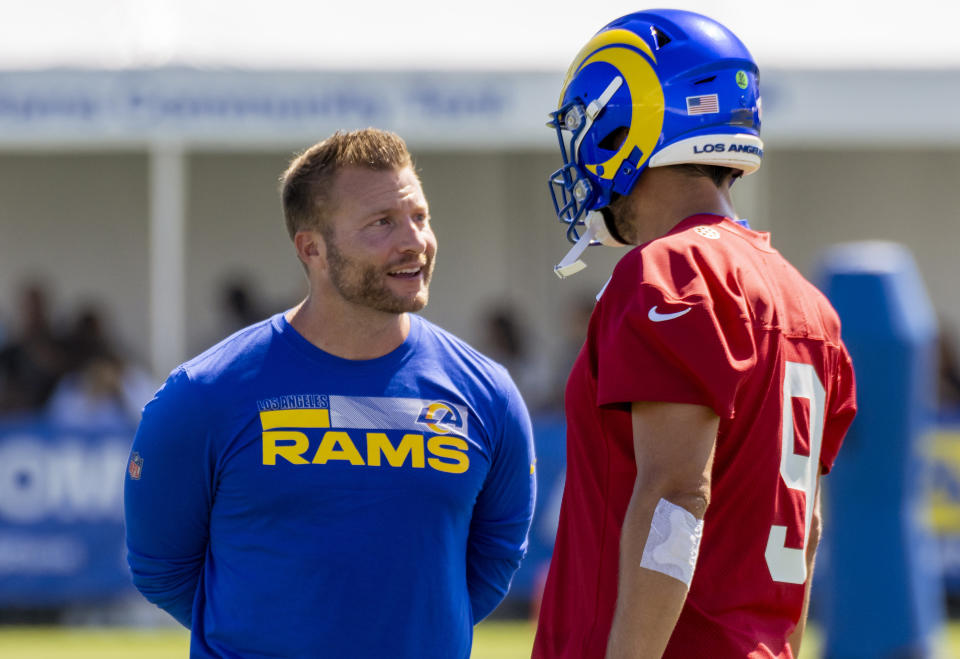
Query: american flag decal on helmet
706, 104
135, 468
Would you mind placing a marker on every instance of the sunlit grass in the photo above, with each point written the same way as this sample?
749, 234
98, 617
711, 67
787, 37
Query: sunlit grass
514, 639
93, 643
493, 640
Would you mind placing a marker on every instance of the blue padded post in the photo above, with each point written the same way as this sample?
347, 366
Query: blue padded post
882, 587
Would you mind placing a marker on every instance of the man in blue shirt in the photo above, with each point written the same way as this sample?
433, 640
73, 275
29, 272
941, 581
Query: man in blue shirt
344, 479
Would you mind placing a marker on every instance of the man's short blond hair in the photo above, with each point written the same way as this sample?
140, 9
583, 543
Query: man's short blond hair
306, 187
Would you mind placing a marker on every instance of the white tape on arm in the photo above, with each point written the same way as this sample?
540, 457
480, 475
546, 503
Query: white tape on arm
673, 543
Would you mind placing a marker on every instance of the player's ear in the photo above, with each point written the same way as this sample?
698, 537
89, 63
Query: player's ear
311, 249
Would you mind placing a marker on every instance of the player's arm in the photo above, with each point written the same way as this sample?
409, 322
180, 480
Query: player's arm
166, 509
674, 446
816, 529
502, 514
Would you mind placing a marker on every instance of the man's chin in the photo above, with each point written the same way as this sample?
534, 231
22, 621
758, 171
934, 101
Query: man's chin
402, 304
410, 300
417, 303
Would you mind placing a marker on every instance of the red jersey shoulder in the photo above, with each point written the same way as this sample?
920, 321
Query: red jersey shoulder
738, 267
676, 262
665, 313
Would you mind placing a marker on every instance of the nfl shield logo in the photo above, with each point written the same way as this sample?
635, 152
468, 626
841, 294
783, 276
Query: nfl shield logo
136, 466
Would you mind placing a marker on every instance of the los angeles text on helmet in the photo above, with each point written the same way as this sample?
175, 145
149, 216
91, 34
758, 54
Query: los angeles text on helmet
733, 147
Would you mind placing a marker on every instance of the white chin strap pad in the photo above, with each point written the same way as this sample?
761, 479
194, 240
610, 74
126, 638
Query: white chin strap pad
673, 543
601, 233
596, 232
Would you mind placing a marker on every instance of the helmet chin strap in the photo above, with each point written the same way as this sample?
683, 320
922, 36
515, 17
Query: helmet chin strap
596, 232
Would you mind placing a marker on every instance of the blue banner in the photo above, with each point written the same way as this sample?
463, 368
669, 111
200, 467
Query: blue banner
61, 522
550, 438
945, 499
61, 493
61, 527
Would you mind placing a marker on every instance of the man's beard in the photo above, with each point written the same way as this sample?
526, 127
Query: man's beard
366, 285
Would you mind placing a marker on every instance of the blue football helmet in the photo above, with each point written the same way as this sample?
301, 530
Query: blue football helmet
653, 88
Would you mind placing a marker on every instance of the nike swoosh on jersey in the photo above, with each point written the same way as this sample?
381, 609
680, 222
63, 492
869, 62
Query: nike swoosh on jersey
658, 317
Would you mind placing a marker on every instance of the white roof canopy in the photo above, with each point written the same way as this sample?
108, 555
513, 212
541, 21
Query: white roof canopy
438, 34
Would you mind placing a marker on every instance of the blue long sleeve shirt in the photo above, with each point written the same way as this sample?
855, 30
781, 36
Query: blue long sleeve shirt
282, 501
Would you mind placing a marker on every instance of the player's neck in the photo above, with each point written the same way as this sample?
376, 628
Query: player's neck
664, 198
348, 330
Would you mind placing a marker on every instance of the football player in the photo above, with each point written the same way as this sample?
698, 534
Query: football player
713, 389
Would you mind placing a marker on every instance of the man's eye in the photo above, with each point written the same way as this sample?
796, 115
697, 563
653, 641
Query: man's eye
383, 221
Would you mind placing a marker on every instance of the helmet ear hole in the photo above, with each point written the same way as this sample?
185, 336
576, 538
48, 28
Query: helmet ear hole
614, 139
660, 37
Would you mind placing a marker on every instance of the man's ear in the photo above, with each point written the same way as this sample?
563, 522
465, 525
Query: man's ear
311, 248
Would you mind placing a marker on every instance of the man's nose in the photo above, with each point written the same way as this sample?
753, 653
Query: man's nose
414, 235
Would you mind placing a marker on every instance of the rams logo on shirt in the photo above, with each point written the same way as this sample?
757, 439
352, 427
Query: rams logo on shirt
441, 418
349, 430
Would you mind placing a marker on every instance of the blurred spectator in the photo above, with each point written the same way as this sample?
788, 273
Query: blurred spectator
949, 376
86, 339
507, 341
100, 389
105, 393
239, 304
574, 334
33, 359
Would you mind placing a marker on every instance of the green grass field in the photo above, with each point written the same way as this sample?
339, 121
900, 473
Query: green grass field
493, 640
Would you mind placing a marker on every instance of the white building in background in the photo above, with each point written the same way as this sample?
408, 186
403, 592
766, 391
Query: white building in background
144, 188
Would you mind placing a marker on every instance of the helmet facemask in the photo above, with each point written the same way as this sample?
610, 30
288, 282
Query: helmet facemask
570, 186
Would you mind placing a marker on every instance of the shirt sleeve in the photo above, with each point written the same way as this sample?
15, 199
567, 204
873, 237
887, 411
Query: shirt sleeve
657, 343
167, 502
502, 514
843, 408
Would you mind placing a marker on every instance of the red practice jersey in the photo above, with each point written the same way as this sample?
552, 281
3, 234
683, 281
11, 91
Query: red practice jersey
709, 314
